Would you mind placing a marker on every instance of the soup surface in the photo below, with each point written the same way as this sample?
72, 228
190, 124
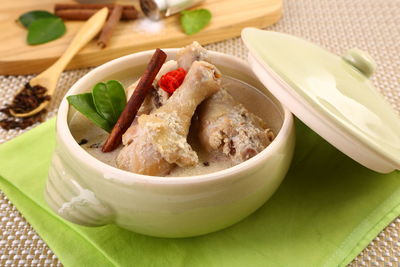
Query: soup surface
91, 137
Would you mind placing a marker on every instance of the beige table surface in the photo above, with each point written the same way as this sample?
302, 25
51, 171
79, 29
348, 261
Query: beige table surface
371, 25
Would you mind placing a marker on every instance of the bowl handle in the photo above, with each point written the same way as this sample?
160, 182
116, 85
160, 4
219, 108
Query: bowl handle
72, 201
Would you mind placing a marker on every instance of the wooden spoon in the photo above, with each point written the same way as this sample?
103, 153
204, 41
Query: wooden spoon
49, 77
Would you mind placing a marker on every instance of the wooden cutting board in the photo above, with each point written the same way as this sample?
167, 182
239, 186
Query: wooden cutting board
229, 17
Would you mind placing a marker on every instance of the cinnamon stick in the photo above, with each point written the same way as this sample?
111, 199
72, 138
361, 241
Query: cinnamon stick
88, 6
142, 89
109, 26
85, 14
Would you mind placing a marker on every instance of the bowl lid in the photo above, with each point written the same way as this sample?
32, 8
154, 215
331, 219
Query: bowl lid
331, 94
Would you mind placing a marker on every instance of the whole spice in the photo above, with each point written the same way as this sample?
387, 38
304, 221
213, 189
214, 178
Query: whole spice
109, 27
83, 142
170, 81
142, 89
61, 6
11, 122
95, 145
85, 11
28, 99
84, 14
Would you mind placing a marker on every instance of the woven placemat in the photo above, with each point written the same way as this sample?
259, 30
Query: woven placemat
338, 25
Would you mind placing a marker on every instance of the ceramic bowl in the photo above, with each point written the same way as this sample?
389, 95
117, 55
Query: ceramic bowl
86, 191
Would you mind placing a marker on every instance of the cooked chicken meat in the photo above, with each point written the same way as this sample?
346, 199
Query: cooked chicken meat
191, 53
155, 99
158, 96
228, 127
155, 143
158, 141
186, 56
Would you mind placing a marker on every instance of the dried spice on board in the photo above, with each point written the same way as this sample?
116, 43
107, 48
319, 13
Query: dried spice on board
28, 99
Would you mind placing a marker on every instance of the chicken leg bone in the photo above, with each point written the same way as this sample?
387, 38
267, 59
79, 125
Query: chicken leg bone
159, 140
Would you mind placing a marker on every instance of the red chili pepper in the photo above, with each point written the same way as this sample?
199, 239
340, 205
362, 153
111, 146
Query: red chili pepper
170, 81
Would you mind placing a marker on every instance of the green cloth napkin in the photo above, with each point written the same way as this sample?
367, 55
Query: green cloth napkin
325, 212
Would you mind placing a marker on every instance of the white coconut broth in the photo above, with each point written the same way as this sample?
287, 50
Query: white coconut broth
92, 137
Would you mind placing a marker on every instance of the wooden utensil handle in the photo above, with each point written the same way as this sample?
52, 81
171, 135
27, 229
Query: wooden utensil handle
88, 31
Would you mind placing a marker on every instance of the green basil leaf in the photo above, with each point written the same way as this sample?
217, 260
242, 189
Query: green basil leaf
45, 30
27, 18
193, 21
84, 104
109, 99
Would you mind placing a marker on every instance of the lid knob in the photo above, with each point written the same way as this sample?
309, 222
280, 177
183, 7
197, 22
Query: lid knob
361, 61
